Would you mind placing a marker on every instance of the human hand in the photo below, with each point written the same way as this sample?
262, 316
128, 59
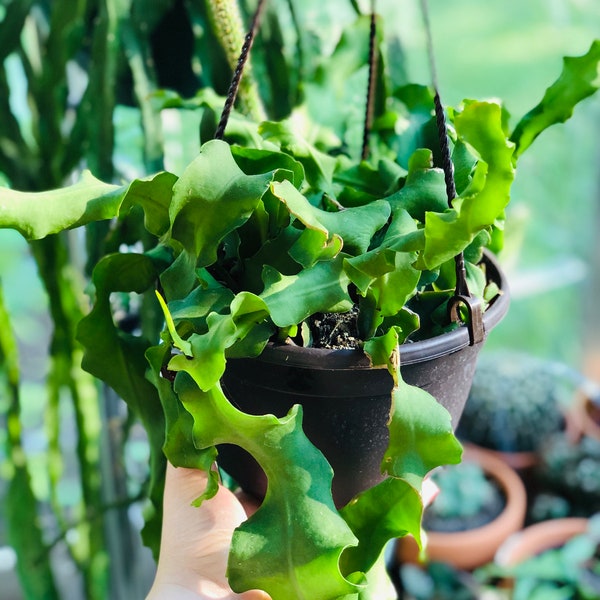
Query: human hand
195, 541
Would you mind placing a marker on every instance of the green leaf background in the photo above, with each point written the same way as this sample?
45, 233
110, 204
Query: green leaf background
286, 197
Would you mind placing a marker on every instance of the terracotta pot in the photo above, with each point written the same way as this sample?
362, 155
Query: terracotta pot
537, 538
476, 547
522, 462
346, 402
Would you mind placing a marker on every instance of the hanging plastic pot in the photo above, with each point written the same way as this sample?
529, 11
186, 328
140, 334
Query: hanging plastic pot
346, 402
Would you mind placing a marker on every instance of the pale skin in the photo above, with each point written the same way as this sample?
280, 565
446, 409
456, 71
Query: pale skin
195, 541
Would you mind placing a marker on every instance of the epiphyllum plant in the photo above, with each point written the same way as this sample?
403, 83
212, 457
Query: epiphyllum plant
246, 245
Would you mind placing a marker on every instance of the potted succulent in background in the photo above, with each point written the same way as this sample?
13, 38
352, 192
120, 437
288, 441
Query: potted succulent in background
554, 559
480, 503
571, 469
250, 242
516, 402
526, 410
467, 499
437, 581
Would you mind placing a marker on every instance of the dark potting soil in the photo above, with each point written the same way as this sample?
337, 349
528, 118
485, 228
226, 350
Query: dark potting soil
450, 524
334, 330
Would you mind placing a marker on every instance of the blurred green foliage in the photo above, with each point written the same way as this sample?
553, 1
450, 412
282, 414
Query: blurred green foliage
78, 83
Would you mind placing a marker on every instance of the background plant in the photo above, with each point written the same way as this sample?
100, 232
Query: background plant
569, 571
73, 78
315, 41
467, 499
516, 401
103, 58
572, 468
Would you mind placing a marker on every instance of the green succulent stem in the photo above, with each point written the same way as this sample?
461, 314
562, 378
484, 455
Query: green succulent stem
20, 504
227, 24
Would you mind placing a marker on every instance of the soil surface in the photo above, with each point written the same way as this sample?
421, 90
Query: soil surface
334, 330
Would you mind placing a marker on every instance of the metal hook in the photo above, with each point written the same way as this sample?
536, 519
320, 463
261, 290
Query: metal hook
474, 321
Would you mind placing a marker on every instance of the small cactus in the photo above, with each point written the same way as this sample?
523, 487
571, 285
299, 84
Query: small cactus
467, 499
516, 401
573, 469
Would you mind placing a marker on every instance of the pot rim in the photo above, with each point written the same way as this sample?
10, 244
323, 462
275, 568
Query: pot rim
537, 538
410, 353
513, 513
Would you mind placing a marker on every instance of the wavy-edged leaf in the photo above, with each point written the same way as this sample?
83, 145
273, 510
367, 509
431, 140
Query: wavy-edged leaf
204, 354
202, 300
480, 125
390, 509
404, 323
318, 166
580, 78
362, 183
321, 288
383, 350
179, 278
274, 252
421, 435
313, 245
424, 189
421, 438
38, 214
179, 424
110, 354
254, 161
391, 290
402, 234
484, 200
154, 196
420, 428
386, 280
213, 197
356, 226
415, 114
292, 545
364, 269
388, 276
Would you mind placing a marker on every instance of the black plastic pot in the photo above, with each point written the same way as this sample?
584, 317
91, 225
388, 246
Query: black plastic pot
346, 402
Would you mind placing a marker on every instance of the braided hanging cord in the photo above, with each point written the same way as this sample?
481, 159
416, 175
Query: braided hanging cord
462, 294
239, 69
440, 116
371, 84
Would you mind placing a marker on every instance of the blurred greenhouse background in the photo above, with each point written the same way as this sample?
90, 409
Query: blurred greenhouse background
507, 50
